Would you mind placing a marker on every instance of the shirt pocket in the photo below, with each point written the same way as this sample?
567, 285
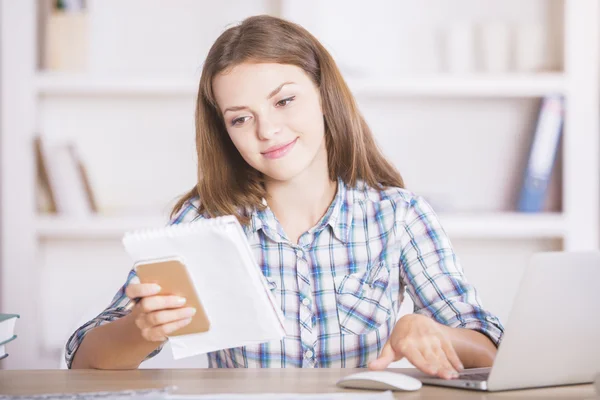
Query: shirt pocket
363, 301
273, 286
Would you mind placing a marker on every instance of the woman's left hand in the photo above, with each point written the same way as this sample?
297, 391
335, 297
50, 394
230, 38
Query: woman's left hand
425, 343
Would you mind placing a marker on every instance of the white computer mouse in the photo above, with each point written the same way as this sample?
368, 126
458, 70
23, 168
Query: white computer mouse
380, 380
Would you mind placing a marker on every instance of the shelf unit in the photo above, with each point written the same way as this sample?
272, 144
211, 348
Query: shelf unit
23, 232
506, 225
93, 227
476, 85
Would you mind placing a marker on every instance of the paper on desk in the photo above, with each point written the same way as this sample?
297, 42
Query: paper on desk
138, 394
288, 396
162, 394
240, 307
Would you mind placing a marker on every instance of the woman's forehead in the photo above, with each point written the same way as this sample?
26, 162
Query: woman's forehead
253, 80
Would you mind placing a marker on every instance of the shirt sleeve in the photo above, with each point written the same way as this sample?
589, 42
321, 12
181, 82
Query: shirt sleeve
120, 305
434, 278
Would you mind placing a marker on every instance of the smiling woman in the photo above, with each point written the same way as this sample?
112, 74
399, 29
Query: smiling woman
282, 146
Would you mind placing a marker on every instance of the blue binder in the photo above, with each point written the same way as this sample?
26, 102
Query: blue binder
542, 155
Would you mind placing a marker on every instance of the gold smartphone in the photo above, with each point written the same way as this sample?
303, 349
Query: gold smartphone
173, 277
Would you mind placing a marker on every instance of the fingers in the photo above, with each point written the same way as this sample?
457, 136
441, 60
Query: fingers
446, 370
386, 357
452, 356
160, 333
137, 290
155, 303
431, 358
157, 318
416, 358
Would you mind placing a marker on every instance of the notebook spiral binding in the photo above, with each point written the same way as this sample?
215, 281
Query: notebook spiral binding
181, 229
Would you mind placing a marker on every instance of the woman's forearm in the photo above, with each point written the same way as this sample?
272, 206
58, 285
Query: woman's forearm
116, 345
474, 349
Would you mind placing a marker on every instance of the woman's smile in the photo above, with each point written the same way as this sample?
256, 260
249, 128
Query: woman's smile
279, 151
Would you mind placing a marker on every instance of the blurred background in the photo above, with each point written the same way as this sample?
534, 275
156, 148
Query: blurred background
468, 99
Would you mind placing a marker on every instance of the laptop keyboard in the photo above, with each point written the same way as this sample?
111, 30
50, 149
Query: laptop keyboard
475, 376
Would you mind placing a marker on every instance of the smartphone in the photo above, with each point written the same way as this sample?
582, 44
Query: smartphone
173, 277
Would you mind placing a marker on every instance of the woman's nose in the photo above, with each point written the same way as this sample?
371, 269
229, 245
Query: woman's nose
267, 128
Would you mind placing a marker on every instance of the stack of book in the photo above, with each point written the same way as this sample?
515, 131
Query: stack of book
7, 332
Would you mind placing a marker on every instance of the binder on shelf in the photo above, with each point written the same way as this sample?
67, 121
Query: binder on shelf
63, 179
542, 155
7, 327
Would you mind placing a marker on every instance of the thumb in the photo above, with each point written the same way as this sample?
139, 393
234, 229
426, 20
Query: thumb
386, 357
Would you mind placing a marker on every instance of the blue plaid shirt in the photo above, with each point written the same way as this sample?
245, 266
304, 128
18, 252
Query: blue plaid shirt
340, 287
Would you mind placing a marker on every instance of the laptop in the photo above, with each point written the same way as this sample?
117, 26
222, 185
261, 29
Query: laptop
552, 336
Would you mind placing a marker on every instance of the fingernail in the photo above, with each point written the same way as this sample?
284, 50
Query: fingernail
190, 311
180, 300
155, 287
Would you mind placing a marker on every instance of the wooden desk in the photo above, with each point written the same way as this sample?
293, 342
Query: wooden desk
205, 381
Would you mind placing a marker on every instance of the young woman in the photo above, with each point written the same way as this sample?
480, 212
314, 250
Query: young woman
282, 145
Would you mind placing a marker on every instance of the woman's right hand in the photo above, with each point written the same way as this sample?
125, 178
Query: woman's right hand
157, 316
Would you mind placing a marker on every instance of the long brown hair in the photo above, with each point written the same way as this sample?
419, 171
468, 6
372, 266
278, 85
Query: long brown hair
227, 185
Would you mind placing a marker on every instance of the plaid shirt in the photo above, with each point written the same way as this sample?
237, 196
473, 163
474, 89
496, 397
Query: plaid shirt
340, 287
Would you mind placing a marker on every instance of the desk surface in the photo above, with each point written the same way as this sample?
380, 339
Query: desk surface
206, 381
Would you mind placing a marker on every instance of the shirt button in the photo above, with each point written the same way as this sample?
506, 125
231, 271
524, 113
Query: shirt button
299, 253
308, 354
306, 301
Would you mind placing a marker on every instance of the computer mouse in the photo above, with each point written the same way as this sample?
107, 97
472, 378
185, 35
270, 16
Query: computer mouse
380, 380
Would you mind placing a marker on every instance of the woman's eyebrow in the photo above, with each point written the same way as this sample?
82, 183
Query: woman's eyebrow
273, 93
278, 88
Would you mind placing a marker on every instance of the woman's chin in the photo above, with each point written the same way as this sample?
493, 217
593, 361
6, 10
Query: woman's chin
282, 174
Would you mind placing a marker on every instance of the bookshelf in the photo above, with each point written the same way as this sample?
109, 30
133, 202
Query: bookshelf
93, 227
476, 85
500, 225
138, 103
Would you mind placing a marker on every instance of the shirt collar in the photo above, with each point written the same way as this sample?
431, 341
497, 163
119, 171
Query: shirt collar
338, 216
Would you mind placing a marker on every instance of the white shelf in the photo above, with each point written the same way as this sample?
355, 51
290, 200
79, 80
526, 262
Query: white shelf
94, 227
464, 226
64, 84
478, 85
509, 225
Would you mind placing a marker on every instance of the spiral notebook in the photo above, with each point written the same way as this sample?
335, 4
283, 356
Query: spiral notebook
236, 297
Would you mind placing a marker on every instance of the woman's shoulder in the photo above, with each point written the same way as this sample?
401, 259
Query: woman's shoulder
188, 212
399, 203
396, 196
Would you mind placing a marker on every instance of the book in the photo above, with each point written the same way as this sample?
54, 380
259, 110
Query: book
3, 353
7, 326
63, 179
46, 193
542, 155
236, 297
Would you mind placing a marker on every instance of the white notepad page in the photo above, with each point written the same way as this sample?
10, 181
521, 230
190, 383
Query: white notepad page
235, 295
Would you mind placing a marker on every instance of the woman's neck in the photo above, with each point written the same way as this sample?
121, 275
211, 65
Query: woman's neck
301, 202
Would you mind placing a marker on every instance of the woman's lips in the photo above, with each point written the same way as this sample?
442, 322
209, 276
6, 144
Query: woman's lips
280, 151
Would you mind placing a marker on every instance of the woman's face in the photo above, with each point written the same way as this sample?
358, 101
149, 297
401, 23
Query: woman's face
273, 115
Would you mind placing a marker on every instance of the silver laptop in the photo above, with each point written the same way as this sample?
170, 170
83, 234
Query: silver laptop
552, 336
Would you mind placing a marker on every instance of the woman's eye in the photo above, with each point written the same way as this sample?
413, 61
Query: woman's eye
285, 102
239, 121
